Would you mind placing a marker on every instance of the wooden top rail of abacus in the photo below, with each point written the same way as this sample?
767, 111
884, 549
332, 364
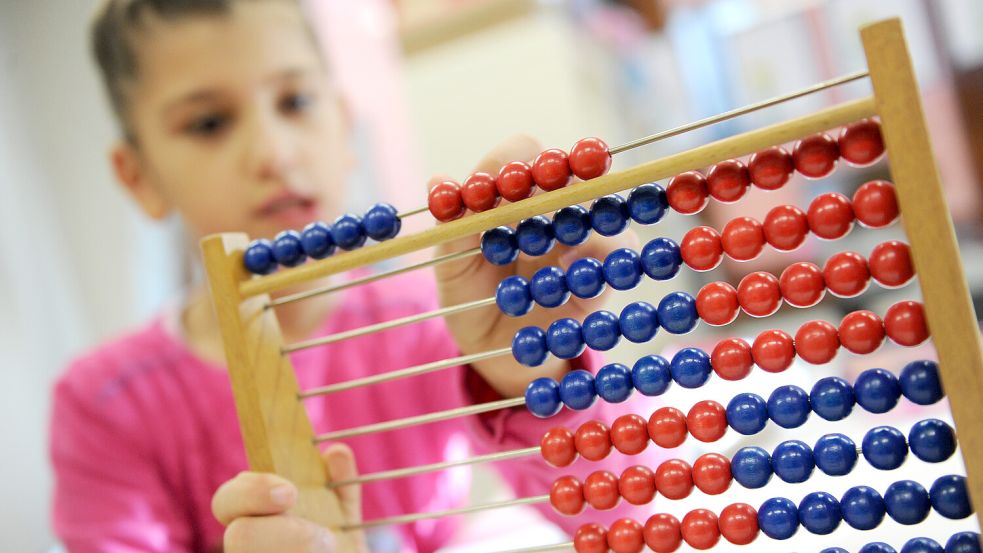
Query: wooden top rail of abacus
696, 158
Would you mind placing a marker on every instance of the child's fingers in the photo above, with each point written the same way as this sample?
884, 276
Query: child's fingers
253, 494
520, 147
341, 465
283, 534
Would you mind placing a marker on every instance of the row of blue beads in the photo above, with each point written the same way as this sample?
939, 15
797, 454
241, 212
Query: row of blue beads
572, 225
319, 240
962, 542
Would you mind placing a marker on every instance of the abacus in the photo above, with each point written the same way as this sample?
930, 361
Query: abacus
279, 438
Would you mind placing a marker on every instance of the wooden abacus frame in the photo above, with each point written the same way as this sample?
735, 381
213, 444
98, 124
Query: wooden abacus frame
277, 432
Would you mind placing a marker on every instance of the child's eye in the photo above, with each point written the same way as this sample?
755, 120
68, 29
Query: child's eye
296, 102
208, 125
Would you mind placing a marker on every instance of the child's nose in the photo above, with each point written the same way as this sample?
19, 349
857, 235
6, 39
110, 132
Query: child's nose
269, 149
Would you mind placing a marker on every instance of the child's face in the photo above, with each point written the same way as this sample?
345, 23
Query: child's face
237, 126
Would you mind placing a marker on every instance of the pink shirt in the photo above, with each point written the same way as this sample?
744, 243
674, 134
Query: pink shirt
143, 432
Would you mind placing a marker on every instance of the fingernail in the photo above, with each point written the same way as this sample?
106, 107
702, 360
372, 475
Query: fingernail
282, 495
327, 543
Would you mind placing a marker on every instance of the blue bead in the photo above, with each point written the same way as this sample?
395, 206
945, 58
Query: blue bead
819, 513
877, 390
639, 322
348, 232
963, 542
571, 225
747, 413
877, 547
564, 338
549, 287
932, 440
543, 397
907, 502
922, 545
661, 259
601, 330
651, 375
577, 390
778, 518
793, 461
950, 497
613, 383
834, 550
751, 467
677, 313
647, 204
513, 297
287, 249
258, 257
316, 240
585, 278
835, 454
529, 346
863, 508
832, 398
499, 246
381, 222
609, 215
920, 382
788, 406
622, 269
535, 236
690, 367
884, 447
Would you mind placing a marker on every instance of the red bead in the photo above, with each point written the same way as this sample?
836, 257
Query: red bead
728, 180
830, 216
786, 227
687, 192
717, 303
738, 523
707, 421
875, 204
905, 323
662, 533
731, 359
629, 434
699, 529
445, 202
557, 447
802, 284
637, 485
816, 342
760, 294
515, 181
743, 238
551, 170
773, 351
861, 142
601, 490
591, 538
593, 440
701, 249
815, 156
846, 274
770, 169
890, 264
479, 192
711, 473
861, 332
674, 479
567, 496
625, 536
667, 427
589, 158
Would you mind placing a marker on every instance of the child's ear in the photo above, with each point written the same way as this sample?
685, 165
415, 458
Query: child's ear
132, 175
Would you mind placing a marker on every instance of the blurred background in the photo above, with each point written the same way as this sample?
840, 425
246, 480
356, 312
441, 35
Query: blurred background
434, 84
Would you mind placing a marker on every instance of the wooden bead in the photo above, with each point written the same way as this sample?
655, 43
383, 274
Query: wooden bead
875, 204
717, 303
445, 202
890, 264
514, 181
861, 143
687, 192
759, 294
551, 170
731, 359
861, 332
591, 538
629, 434
728, 181
625, 536
770, 169
773, 351
674, 479
905, 323
667, 427
589, 158
601, 490
802, 284
567, 496
711, 473
743, 238
593, 441
785, 227
738, 523
637, 485
702, 249
816, 342
846, 274
830, 216
815, 156
699, 529
707, 421
662, 533
558, 448
479, 192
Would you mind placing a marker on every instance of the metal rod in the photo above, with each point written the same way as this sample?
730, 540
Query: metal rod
379, 327
422, 419
541, 548
403, 519
421, 469
403, 373
412, 212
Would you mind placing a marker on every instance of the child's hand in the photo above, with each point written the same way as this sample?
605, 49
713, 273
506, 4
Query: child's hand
253, 507
475, 278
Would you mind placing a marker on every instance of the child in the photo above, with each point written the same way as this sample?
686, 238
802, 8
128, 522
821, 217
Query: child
232, 120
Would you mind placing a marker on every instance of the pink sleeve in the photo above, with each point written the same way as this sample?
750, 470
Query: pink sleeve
108, 496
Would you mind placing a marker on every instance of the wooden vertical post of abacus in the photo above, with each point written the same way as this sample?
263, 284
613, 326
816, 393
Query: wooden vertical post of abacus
276, 430
948, 305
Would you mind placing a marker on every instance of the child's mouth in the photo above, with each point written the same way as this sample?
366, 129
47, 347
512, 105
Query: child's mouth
289, 210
